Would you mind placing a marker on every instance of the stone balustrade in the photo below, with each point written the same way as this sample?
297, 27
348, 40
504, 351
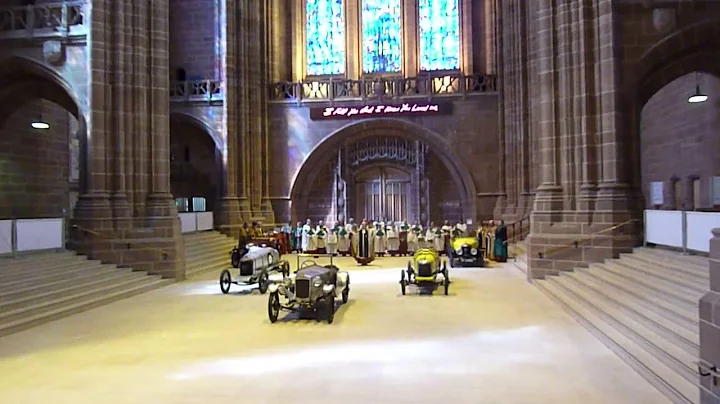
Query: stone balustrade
196, 91
383, 88
48, 20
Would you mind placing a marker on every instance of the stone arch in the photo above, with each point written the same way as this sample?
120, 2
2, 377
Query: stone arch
29, 79
188, 118
305, 176
695, 48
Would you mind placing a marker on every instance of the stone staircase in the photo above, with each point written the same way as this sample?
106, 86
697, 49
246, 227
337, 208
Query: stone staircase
644, 306
42, 287
518, 255
207, 251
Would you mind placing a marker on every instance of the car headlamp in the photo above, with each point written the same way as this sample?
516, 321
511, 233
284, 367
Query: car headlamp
474, 251
317, 282
459, 251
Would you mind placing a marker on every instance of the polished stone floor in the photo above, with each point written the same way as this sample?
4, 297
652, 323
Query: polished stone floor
495, 339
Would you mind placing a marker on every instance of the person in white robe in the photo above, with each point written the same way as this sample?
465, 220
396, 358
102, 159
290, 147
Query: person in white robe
321, 234
393, 240
380, 239
415, 236
307, 232
343, 235
447, 230
439, 240
332, 240
430, 236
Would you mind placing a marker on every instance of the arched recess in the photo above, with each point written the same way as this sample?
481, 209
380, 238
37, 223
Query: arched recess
58, 172
693, 49
327, 149
196, 168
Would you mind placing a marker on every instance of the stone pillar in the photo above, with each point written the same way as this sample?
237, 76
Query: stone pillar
121, 100
710, 327
93, 211
229, 218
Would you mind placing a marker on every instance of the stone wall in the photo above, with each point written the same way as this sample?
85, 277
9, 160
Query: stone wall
710, 326
471, 131
680, 140
35, 163
195, 39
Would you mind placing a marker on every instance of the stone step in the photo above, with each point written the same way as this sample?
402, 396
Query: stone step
36, 257
198, 244
681, 267
213, 250
684, 337
674, 292
630, 340
43, 284
664, 273
675, 270
75, 298
50, 275
683, 314
662, 254
30, 265
74, 306
100, 280
209, 266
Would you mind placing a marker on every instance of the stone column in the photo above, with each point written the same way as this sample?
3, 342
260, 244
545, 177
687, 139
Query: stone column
93, 206
229, 218
710, 327
120, 95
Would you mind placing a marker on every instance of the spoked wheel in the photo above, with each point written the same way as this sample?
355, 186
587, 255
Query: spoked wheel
263, 282
273, 306
235, 258
403, 282
446, 281
330, 309
346, 292
225, 281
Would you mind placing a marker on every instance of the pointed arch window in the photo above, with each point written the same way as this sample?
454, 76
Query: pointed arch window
439, 35
381, 36
325, 37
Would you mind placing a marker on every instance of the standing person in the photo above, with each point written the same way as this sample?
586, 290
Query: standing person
446, 236
363, 249
414, 237
393, 240
501, 240
490, 240
380, 239
298, 237
307, 241
403, 235
321, 234
332, 240
439, 240
343, 241
430, 236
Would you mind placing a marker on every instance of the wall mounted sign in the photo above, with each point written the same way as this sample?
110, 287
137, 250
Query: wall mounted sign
376, 111
657, 193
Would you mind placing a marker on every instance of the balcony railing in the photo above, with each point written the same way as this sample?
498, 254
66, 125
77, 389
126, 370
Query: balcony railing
60, 19
196, 90
337, 89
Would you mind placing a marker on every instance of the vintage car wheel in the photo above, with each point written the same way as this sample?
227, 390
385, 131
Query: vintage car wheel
330, 309
446, 281
346, 291
225, 281
263, 282
235, 258
403, 282
273, 306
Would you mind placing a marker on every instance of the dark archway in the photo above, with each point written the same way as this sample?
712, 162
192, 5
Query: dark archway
324, 153
693, 49
195, 163
44, 169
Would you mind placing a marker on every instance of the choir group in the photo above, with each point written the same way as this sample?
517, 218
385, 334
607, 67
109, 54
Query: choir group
395, 238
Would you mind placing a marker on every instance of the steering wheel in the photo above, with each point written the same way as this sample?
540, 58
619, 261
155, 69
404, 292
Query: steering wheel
308, 263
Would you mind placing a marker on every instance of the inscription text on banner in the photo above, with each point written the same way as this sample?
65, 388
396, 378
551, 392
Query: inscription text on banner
369, 111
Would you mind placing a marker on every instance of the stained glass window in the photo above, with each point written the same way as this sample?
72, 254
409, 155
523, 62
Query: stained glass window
439, 29
325, 33
381, 36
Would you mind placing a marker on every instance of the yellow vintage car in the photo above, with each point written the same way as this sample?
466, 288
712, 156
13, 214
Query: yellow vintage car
423, 272
466, 251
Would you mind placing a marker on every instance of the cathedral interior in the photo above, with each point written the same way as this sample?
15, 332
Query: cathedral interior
140, 138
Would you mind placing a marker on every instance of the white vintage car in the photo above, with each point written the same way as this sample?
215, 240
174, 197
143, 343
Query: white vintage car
256, 265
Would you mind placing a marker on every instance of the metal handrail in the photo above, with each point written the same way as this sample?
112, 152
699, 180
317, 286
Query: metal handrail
706, 369
576, 243
164, 253
522, 234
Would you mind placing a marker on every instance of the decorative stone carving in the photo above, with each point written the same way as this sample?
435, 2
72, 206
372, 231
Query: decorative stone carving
54, 52
664, 19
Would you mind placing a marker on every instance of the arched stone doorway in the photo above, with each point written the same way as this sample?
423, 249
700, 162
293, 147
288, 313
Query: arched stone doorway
665, 77
195, 164
387, 167
42, 142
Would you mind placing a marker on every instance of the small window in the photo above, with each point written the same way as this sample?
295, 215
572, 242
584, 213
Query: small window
198, 204
182, 204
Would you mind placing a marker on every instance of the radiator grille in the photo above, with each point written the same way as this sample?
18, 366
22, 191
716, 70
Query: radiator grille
246, 268
302, 288
424, 269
